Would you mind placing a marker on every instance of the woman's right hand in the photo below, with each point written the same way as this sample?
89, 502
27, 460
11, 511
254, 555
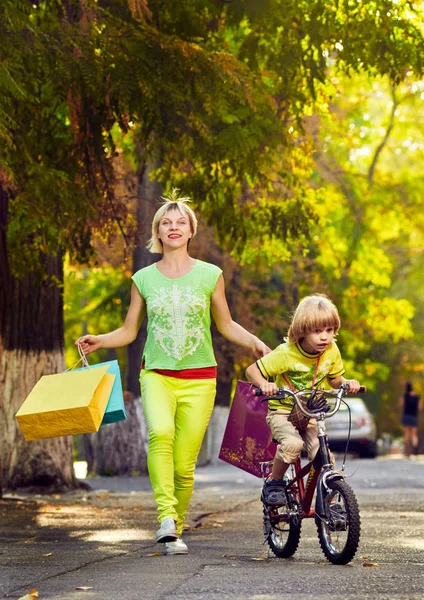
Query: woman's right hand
89, 343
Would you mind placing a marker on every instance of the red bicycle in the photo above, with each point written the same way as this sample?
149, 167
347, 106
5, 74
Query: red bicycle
336, 511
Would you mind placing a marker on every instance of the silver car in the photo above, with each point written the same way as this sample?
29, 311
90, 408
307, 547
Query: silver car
363, 434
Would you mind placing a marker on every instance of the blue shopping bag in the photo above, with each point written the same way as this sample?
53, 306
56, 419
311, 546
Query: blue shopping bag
115, 409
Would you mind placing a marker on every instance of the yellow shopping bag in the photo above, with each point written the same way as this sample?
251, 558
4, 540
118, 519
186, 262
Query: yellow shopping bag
66, 404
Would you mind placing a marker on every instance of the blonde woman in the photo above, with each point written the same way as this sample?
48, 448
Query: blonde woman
178, 371
309, 359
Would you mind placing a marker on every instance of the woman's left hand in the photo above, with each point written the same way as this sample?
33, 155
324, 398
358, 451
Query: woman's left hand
260, 349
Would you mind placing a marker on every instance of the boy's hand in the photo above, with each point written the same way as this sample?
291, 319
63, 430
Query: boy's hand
269, 388
353, 386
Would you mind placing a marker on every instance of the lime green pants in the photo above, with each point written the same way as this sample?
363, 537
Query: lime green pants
177, 413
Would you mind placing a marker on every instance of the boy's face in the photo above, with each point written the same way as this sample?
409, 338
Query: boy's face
317, 340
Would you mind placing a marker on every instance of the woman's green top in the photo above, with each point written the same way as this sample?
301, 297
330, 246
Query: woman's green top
179, 317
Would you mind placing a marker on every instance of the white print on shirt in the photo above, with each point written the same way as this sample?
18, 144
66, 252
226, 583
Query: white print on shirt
176, 316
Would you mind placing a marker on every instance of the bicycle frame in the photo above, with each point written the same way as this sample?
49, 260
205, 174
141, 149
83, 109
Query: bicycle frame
336, 511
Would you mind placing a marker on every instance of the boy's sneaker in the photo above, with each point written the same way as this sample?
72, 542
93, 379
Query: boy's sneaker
177, 547
274, 492
167, 531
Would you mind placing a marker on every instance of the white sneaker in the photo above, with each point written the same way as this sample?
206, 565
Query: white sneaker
167, 531
177, 547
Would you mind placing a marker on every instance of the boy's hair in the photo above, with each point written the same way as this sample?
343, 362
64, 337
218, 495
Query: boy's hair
313, 312
171, 202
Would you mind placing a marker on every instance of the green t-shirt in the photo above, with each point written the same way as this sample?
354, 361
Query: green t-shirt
299, 367
179, 317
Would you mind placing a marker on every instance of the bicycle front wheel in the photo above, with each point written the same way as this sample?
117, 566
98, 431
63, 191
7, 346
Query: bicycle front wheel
340, 531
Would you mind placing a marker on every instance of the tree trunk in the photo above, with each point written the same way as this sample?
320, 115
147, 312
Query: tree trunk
148, 194
31, 338
119, 448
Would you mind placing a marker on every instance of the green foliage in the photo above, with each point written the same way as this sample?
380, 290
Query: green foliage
294, 125
96, 299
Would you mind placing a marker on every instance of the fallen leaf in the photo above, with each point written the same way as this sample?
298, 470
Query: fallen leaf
49, 554
363, 557
84, 588
403, 516
33, 595
370, 564
257, 558
155, 554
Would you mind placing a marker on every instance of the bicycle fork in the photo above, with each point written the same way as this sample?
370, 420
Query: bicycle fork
327, 473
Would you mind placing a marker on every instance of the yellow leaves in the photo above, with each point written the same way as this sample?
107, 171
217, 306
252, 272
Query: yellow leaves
371, 265
155, 554
389, 318
84, 588
33, 595
48, 554
368, 563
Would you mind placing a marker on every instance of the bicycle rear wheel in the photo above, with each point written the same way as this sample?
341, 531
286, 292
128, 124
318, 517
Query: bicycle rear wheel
282, 530
339, 533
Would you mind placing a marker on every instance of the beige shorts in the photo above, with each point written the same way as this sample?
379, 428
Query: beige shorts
291, 440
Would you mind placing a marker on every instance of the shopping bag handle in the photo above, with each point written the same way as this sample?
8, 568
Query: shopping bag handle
83, 359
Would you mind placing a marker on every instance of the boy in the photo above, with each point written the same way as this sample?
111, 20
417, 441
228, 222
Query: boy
309, 359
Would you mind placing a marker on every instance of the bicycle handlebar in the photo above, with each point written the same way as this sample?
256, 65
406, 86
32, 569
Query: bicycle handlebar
282, 392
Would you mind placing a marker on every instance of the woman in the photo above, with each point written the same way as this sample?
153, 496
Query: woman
411, 405
178, 374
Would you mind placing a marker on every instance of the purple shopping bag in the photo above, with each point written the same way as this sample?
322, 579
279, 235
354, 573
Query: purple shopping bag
247, 439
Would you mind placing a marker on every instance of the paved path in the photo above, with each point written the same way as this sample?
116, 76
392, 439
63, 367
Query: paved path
104, 540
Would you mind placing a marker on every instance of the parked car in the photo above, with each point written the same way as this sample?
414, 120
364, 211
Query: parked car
363, 434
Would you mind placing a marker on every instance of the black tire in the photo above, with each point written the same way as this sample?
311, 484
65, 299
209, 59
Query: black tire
282, 536
339, 535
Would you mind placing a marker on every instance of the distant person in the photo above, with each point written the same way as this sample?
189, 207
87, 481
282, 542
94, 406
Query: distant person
178, 370
411, 405
309, 359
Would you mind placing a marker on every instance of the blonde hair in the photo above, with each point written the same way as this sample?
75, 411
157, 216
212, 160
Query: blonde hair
171, 202
313, 312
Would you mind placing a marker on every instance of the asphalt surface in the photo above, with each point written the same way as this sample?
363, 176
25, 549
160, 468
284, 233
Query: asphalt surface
103, 540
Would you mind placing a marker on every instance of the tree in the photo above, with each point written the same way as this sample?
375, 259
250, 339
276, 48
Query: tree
91, 65
215, 96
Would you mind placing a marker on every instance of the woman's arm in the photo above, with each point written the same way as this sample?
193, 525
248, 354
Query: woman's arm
229, 328
122, 336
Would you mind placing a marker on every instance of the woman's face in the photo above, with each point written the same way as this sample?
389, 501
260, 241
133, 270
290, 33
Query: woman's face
174, 230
